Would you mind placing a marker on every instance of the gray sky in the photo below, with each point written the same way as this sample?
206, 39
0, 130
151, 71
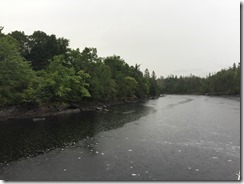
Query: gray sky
177, 37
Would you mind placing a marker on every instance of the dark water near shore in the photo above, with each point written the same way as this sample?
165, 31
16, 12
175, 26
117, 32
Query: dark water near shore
170, 138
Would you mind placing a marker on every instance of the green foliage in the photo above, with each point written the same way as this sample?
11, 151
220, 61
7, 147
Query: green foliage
43, 48
40, 68
131, 85
23, 42
119, 70
142, 89
39, 47
15, 73
224, 82
62, 84
102, 84
153, 87
151, 83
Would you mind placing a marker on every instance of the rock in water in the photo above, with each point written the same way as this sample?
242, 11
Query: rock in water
39, 119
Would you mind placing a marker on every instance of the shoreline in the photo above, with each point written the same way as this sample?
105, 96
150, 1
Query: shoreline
46, 110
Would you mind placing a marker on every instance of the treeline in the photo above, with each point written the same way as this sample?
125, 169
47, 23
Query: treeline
41, 68
224, 82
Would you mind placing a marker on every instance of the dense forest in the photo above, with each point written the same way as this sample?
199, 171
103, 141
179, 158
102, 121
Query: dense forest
39, 69
224, 82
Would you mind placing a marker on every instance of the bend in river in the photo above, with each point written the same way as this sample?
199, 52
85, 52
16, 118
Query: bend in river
177, 137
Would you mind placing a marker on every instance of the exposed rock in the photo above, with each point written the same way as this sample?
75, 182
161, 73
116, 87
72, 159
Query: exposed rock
99, 108
68, 111
34, 111
73, 106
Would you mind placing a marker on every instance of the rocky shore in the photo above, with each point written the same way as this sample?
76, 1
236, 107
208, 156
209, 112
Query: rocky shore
39, 112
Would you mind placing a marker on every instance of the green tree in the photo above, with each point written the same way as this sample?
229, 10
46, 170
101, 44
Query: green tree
16, 75
102, 86
153, 88
62, 84
43, 47
89, 58
131, 85
23, 42
119, 70
142, 89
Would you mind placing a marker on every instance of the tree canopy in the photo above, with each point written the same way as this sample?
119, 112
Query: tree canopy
42, 68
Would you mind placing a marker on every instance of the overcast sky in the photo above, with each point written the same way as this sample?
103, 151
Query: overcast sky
177, 37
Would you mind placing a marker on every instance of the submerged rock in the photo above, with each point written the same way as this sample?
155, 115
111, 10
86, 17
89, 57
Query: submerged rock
39, 119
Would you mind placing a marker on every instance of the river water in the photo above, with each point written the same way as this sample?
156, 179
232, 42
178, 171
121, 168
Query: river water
177, 137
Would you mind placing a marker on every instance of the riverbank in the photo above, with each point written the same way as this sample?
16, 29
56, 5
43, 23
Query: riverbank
44, 110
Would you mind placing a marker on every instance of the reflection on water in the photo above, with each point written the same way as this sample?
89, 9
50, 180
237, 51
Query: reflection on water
181, 102
177, 137
24, 138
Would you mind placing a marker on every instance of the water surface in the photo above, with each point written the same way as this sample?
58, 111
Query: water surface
170, 138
